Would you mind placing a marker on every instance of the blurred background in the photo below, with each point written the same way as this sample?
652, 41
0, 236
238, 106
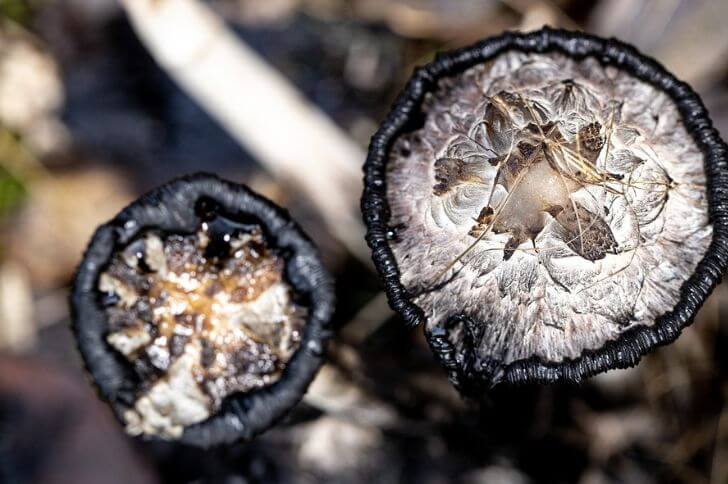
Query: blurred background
101, 100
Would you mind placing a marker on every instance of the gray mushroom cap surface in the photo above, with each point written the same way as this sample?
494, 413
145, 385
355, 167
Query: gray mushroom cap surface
556, 201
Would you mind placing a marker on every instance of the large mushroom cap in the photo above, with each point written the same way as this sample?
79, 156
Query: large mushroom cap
545, 204
201, 312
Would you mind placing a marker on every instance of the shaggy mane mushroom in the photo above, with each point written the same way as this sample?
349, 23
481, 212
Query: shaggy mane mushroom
547, 205
201, 312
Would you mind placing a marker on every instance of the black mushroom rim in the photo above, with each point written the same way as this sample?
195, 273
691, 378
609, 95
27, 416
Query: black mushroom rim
549, 205
201, 312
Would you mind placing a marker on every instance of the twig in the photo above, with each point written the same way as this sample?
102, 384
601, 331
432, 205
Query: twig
258, 107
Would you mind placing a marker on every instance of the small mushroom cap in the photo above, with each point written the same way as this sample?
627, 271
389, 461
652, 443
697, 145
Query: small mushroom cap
156, 321
545, 204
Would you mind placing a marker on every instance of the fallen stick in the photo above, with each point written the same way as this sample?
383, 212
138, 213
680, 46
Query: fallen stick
287, 134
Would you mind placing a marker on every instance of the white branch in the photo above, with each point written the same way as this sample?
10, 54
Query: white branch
258, 107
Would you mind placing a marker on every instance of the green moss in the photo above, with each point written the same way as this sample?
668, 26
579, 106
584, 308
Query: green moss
20, 11
12, 192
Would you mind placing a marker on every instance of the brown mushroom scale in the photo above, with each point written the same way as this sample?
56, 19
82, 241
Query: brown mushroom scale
553, 202
199, 319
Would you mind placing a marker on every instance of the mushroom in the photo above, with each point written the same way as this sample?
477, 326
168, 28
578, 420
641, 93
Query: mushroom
548, 205
201, 312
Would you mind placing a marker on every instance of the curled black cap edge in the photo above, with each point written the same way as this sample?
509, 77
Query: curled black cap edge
170, 207
632, 345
